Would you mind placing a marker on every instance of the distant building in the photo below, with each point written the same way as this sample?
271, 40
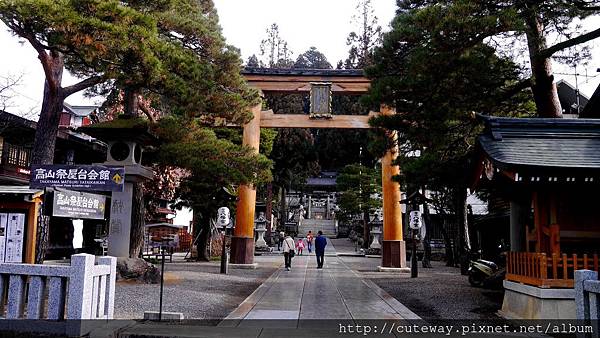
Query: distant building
78, 116
592, 108
572, 100
16, 143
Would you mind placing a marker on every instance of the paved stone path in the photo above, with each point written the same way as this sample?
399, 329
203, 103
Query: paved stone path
304, 302
307, 293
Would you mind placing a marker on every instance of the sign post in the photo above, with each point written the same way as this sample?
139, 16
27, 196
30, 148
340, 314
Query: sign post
415, 224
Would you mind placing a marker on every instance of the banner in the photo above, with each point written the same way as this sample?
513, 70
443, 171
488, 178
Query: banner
80, 205
77, 177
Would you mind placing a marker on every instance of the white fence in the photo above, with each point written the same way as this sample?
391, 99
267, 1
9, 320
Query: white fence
587, 296
83, 290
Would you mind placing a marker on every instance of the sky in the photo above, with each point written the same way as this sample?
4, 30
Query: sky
324, 24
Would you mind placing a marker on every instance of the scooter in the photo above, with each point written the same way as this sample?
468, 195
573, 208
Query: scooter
486, 273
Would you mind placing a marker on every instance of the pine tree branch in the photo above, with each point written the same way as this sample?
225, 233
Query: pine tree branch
42, 54
510, 92
548, 52
87, 83
146, 111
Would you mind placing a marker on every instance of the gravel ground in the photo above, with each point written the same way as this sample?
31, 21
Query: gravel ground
197, 290
438, 293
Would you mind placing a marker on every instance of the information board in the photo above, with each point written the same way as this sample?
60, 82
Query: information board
79, 205
14, 238
78, 177
3, 225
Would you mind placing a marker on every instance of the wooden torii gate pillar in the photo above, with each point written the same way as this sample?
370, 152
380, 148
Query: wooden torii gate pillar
242, 242
350, 82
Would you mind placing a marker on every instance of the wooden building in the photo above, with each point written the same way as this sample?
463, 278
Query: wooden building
16, 143
549, 170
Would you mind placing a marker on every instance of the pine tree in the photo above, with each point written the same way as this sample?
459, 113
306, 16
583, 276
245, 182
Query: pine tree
171, 50
471, 22
363, 41
312, 59
435, 91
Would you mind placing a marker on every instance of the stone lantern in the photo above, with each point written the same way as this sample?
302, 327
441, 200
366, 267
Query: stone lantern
376, 230
126, 140
260, 225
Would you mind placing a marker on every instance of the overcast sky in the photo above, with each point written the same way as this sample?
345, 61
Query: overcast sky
324, 24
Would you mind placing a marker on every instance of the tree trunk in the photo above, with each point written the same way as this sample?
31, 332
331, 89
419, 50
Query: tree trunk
366, 230
136, 239
544, 89
202, 231
130, 103
45, 140
427, 240
203, 240
464, 243
283, 210
52, 105
450, 261
269, 212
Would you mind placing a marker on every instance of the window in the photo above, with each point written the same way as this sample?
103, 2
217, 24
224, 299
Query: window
17, 155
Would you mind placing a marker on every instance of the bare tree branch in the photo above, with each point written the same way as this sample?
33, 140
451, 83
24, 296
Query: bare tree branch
7, 85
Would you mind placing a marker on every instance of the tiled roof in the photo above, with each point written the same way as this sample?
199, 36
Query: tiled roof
542, 143
304, 72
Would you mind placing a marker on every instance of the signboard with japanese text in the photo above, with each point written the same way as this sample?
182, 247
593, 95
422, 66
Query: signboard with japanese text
78, 177
15, 229
79, 205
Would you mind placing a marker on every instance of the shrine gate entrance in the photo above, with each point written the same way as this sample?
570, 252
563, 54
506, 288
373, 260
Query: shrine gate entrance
321, 84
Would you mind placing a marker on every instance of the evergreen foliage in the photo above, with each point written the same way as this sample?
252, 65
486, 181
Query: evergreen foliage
360, 188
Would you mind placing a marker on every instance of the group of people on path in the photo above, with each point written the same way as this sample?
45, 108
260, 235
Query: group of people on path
290, 247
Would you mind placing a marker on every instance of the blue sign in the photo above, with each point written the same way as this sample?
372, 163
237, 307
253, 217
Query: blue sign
78, 177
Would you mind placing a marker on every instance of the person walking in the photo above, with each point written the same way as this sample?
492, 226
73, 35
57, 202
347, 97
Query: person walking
320, 244
281, 237
288, 252
300, 246
309, 240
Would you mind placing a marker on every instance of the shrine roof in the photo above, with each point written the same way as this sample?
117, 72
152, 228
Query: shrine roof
321, 181
542, 143
303, 72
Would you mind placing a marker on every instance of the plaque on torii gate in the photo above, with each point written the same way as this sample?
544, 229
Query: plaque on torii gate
321, 84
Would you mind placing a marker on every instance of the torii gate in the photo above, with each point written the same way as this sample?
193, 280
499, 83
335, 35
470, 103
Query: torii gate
321, 84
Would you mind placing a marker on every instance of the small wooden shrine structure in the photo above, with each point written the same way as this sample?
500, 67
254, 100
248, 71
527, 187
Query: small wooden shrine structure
549, 170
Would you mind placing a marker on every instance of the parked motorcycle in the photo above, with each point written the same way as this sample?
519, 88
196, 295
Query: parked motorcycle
487, 273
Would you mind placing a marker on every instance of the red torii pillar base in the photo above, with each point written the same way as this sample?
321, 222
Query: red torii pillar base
242, 251
394, 255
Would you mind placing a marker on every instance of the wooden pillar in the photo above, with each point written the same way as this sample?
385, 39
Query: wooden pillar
242, 242
394, 248
32, 222
520, 208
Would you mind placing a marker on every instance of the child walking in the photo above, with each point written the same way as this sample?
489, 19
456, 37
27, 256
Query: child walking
300, 246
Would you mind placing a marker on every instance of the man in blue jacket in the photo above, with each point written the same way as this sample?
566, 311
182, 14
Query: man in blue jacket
320, 243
